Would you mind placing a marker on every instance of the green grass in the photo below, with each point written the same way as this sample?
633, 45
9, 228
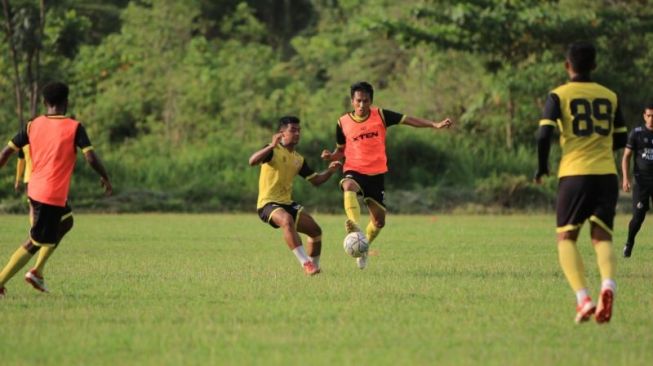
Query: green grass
224, 289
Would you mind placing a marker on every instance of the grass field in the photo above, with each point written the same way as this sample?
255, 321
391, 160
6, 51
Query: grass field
223, 289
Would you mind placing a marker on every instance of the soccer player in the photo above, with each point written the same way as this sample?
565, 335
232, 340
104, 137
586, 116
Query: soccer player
53, 140
591, 127
280, 163
640, 140
360, 137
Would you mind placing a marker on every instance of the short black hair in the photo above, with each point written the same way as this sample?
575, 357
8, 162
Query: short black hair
286, 120
648, 106
55, 93
362, 86
582, 57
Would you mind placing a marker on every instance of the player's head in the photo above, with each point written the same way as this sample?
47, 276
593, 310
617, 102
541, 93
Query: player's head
289, 128
55, 94
581, 58
362, 95
648, 115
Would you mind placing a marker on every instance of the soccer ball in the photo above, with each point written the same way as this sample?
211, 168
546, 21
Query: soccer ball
355, 244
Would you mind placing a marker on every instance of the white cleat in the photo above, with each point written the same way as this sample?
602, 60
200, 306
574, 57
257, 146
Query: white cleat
362, 261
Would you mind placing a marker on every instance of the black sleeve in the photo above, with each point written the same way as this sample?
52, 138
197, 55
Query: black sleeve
81, 138
552, 108
21, 139
631, 142
544, 135
21, 154
618, 140
305, 170
619, 117
268, 157
391, 118
340, 136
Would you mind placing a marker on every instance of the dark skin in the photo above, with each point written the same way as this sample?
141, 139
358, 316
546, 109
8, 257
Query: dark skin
91, 159
597, 233
288, 137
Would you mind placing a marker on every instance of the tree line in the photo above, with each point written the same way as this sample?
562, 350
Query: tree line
177, 94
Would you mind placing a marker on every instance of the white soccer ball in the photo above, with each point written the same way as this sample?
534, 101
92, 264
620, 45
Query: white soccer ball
355, 244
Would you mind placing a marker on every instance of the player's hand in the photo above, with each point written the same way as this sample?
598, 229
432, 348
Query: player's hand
276, 138
537, 179
18, 186
326, 155
334, 166
445, 123
626, 185
108, 189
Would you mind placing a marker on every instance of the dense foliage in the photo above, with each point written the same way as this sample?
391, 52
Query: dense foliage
177, 94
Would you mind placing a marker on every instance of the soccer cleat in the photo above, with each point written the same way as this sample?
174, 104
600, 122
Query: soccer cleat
33, 278
585, 310
350, 226
604, 308
362, 261
3, 292
310, 269
628, 249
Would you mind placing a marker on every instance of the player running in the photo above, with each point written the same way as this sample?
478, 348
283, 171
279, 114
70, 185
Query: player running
53, 140
280, 163
360, 137
640, 141
591, 126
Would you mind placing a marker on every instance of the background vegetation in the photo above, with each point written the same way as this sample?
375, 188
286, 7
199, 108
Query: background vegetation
177, 94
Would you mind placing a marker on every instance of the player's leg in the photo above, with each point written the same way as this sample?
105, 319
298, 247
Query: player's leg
571, 212
377, 219
602, 222
351, 189
35, 275
285, 221
17, 261
640, 207
307, 225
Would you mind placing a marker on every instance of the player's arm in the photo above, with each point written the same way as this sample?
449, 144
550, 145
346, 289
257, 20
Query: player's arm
425, 123
620, 133
20, 171
263, 155
625, 169
21, 139
319, 178
5, 155
544, 134
339, 151
83, 142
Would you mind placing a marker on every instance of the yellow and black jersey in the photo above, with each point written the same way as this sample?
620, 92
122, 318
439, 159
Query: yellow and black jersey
587, 114
24, 168
277, 173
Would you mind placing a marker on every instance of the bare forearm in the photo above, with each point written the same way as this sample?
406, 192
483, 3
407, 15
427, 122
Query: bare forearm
418, 122
321, 177
259, 156
625, 164
96, 164
5, 155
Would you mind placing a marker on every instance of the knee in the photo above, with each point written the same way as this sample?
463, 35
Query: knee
379, 223
317, 233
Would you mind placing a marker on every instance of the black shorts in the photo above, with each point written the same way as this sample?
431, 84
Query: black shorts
46, 220
265, 212
371, 187
583, 197
642, 194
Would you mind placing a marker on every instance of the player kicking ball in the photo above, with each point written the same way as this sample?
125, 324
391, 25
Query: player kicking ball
280, 163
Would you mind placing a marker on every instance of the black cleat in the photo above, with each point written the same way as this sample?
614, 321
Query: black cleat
628, 249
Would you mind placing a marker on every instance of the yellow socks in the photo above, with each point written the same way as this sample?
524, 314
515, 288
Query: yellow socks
352, 208
572, 264
606, 259
20, 257
372, 232
44, 254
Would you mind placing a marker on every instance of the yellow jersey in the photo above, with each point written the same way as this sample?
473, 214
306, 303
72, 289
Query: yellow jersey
587, 115
277, 173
